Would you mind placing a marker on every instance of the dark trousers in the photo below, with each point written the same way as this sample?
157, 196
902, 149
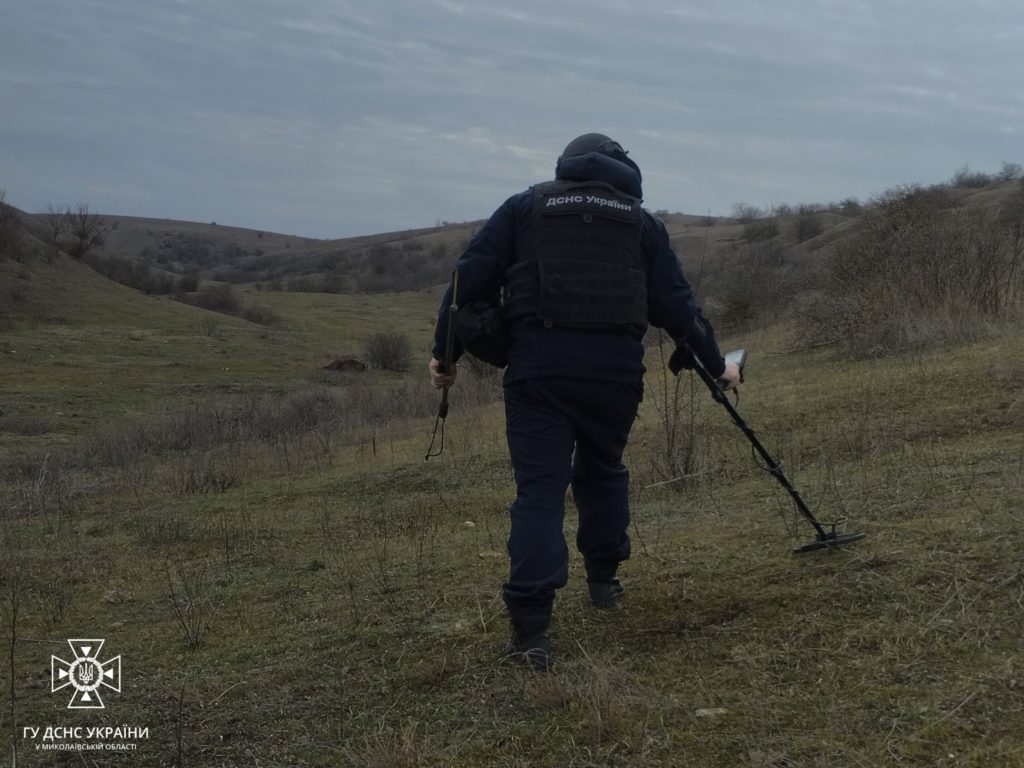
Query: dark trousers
564, 432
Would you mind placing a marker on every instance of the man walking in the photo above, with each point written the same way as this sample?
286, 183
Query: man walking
583, 270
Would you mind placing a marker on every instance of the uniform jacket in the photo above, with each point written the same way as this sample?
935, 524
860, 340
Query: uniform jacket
537, 352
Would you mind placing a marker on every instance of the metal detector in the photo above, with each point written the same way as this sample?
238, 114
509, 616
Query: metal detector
826, 539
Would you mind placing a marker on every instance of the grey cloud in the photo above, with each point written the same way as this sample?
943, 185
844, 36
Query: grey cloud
338, 117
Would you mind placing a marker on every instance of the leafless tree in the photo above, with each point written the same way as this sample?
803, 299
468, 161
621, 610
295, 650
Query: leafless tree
85, 228
1010, 172
745, 213
58, 220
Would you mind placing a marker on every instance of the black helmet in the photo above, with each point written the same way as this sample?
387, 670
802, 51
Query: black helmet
593, 142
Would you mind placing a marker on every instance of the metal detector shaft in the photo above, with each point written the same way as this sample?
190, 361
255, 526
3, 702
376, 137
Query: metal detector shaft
445, 366
773, 467
449, 343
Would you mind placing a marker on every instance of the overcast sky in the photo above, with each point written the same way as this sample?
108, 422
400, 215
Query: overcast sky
330, 118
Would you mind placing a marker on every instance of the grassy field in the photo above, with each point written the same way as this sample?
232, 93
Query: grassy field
289, 583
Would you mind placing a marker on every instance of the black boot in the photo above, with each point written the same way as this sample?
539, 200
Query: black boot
605, 594
605, 588
529, 643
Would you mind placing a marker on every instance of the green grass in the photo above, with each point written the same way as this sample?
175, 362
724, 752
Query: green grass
86, 352
348, 319
322, 598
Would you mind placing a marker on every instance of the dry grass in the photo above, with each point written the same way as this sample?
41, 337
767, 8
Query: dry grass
346, 612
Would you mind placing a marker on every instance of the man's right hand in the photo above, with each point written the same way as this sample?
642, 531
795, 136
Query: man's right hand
730, 378
441, 380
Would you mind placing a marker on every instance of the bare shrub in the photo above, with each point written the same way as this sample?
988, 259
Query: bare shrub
261, 315
381, 258
26, 425
1011, 216
748, 285
745, 213
187, 596
922, 269
160, 529
10, 232
134, 274
48, 494
849, 206
203, 473
391, 747
237, 535
680, 445
324, 417
1010, 172
807, 223
218, 298
55, 595
188, 283
191, 251
965, 178
761, 229
389, 350
823, 318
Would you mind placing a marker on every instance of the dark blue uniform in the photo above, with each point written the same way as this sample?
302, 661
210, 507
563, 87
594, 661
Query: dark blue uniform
571, 397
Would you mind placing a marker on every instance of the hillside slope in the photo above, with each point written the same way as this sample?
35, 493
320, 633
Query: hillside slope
388, 261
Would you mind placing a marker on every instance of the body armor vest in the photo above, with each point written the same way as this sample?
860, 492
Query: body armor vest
585, 264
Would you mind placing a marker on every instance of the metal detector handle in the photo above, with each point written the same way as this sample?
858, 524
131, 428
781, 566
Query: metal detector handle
447, 364
442, 409
449, 343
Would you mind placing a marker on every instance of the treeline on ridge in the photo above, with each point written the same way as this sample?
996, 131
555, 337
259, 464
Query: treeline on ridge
912, 266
